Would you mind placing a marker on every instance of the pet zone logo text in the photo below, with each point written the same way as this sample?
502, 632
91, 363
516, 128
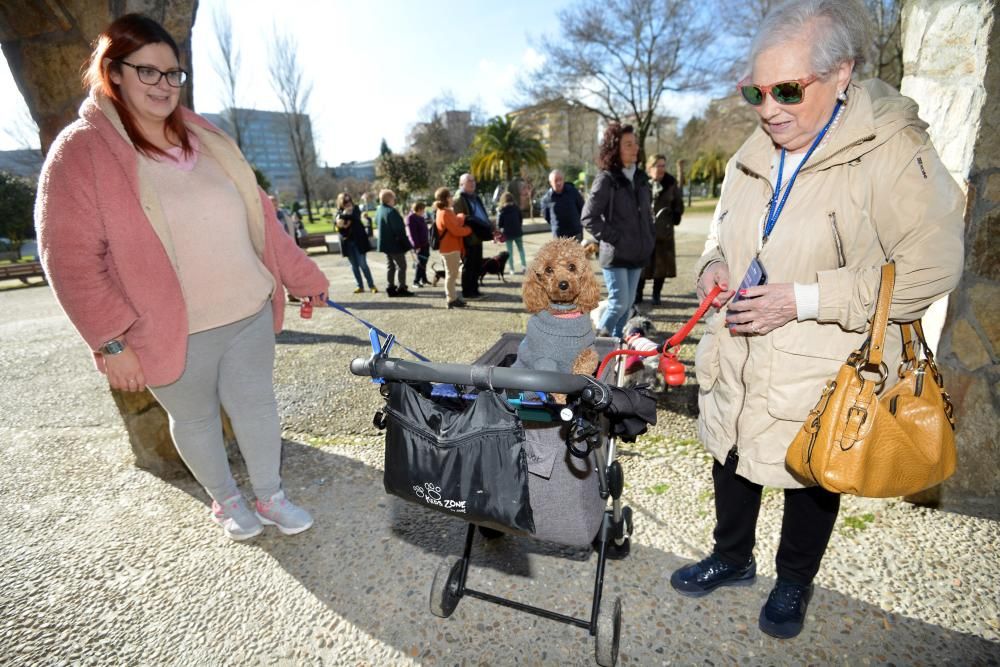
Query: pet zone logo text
432, 495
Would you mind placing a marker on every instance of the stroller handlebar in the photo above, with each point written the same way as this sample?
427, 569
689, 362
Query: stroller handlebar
484, 377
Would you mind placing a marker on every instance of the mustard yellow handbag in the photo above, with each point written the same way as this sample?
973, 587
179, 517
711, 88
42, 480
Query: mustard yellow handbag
855, 442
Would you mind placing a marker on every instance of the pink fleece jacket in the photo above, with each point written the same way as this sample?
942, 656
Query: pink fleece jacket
109, 257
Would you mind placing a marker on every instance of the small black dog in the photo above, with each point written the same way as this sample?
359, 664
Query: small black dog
438, 273
494, 265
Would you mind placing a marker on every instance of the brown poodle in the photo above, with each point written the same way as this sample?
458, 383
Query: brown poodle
559, 290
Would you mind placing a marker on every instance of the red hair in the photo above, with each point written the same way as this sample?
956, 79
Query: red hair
123, 37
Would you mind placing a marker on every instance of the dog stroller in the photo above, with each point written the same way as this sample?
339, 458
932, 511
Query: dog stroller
481, 443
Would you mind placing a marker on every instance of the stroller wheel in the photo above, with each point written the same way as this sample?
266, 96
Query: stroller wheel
444, 588
609, 630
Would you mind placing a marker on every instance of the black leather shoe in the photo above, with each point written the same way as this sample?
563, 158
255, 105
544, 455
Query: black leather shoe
705, 576
784, 612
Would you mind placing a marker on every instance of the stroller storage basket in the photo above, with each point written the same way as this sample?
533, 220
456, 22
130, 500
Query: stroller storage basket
466, 462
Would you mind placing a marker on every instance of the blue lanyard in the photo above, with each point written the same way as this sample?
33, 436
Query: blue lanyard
775, 208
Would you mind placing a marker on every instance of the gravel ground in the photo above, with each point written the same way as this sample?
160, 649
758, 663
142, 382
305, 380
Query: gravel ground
102, 563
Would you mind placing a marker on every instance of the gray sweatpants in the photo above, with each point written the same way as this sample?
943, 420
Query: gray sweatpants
232, 365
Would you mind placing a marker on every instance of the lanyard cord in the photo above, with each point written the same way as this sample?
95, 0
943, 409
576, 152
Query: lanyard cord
775, 208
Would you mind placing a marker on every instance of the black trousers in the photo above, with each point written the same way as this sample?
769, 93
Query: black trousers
472, 268
657, 288
806, 526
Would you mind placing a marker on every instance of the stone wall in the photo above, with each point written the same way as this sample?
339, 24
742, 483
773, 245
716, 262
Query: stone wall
951, 53
46, 43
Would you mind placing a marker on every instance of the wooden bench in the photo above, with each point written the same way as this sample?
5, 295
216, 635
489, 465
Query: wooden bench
331, 242
312, 241
22, 271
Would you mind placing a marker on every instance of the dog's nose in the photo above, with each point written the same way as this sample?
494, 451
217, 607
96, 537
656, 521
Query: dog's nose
563, 285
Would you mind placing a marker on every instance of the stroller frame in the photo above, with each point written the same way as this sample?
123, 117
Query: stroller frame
613, 538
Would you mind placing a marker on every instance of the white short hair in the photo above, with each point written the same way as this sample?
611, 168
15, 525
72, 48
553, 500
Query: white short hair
839, 31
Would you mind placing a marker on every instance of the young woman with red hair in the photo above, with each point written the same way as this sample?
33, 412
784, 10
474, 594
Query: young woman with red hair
170, 263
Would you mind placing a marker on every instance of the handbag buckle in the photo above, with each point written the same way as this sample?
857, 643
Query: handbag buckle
857, 410
862, 367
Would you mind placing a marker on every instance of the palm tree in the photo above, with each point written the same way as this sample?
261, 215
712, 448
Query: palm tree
709, 166
502, 147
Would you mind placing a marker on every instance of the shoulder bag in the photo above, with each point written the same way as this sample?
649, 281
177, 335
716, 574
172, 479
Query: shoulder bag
898, 444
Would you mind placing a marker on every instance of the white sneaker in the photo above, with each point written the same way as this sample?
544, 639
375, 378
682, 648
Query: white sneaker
236, 519
281, 512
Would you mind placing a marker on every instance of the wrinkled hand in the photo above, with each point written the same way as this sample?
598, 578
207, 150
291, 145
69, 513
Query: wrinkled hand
762, 310
717, 273
124, 371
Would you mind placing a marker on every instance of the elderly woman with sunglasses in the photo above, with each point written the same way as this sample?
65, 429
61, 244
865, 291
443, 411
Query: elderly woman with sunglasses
840, 178
170, 263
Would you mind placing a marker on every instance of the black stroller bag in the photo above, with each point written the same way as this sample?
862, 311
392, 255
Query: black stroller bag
467, 461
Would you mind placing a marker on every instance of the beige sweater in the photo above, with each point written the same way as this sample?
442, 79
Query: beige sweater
221, 277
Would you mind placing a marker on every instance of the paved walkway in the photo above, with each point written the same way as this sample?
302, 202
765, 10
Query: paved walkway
101, 563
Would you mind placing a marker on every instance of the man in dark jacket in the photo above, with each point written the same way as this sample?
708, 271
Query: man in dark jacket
562, 206
469, 203
392, 240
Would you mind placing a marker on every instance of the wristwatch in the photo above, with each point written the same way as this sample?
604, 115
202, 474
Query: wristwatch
112, 347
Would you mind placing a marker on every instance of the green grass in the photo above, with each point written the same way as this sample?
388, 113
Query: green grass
658, 489
857, 523
321, 224
702, 206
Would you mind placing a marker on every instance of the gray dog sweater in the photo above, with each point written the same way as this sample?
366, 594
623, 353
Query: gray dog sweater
552, 342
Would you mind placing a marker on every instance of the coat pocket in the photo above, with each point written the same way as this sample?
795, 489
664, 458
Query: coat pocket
804, 356
707, 354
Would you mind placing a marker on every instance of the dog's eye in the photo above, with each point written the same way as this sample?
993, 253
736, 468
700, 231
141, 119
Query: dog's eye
572, 268
548, 269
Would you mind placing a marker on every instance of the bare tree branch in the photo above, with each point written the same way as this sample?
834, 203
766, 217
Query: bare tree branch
618, 57
227, 65
293, 93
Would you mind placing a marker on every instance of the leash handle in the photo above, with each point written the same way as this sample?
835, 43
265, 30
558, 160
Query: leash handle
678, 337
673, 341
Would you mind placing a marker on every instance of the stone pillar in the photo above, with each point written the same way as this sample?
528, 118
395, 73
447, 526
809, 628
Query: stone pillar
45, 44
951, 54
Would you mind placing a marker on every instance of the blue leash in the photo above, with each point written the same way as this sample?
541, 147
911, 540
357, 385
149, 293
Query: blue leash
376, 335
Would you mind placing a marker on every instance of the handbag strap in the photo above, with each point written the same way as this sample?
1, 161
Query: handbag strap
881, 319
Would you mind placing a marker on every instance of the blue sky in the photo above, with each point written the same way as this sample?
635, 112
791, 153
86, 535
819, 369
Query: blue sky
373, 66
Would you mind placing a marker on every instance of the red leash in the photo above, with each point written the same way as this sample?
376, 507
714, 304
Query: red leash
669, 365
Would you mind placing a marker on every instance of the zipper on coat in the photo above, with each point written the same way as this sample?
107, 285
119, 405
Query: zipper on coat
735, 451
841, 260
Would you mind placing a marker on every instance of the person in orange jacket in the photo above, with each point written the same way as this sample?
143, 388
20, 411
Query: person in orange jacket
451, 229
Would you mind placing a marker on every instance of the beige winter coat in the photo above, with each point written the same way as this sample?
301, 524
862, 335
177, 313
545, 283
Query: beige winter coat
876, 192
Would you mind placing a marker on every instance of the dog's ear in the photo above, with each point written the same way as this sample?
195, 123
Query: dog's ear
533, 293
590, 292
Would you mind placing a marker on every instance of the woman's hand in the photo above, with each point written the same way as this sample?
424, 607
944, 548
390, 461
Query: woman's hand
762, 309
717, 273
124, 371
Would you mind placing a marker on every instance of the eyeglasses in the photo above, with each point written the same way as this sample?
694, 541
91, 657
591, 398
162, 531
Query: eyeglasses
784, 92
151, 76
